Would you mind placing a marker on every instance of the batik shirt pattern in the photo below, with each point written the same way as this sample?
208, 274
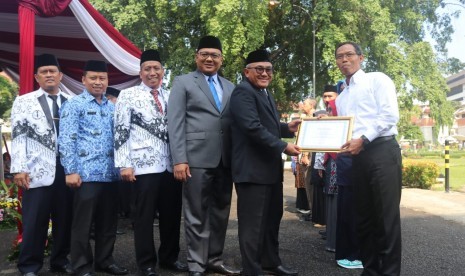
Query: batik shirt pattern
141, 131
33, 145
86, 138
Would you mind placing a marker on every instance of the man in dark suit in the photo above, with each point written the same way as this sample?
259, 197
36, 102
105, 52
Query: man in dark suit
199, 131
257, 168
38, 171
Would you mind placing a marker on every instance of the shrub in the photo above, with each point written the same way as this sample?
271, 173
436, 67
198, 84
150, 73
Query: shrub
8, 206
419, 174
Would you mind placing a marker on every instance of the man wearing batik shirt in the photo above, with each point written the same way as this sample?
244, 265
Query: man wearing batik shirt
86, 148
38, 172
143, 156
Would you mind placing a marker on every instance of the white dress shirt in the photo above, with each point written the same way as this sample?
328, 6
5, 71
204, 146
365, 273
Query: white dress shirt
371, 99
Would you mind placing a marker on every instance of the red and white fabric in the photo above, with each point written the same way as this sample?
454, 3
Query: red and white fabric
73, 31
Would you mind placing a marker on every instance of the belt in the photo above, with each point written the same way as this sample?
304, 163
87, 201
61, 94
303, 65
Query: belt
384, 138
381, 140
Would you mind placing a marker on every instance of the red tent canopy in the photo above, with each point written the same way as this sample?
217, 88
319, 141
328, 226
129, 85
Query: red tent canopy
73, 31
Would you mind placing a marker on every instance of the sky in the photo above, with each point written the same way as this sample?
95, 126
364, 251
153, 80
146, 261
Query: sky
457, 45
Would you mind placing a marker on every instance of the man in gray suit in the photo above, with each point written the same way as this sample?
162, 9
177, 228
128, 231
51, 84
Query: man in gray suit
199, 131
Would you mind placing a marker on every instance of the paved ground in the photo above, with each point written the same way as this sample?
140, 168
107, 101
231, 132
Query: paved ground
433, 229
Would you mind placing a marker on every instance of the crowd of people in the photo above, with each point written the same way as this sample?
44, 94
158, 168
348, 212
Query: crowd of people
181, 152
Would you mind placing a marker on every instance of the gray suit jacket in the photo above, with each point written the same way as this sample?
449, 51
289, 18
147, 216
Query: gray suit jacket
199, 133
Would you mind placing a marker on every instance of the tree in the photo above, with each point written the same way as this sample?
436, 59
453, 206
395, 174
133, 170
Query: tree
389, 31
8, 92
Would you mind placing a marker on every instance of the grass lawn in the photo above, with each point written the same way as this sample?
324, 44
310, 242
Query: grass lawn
456, 172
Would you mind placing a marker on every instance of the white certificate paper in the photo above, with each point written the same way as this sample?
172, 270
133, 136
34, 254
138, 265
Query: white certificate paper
326, 134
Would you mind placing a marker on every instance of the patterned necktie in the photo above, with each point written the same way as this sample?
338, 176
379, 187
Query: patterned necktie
55, 115
157, 101
214, 92
267, 97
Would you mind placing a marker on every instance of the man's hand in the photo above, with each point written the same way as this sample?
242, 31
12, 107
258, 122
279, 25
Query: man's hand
320, 173
292, 150
127, 174
182, 172
294, 125
73, 180
354, 146
22, 180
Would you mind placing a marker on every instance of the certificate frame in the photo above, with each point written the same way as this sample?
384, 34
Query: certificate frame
325, 134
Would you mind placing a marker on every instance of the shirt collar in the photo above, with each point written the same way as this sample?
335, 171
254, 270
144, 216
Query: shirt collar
357, 76
145, 87
88, 97
215, 77
42, 92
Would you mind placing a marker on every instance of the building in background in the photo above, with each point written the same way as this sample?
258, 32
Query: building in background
456, 84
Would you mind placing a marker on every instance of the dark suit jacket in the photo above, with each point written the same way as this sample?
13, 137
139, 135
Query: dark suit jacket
256, 136
199, 133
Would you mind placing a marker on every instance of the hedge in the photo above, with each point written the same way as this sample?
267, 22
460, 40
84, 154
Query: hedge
419, 174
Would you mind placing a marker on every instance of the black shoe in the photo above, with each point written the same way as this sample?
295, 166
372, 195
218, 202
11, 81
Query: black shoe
322, 232
222, 269
148, 272
119, 232
30, 274
66, 269
113, 269
280, 270
88, 274
176, 266
196, 273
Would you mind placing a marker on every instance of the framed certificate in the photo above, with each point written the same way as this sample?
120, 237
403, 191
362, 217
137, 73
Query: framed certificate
326, 134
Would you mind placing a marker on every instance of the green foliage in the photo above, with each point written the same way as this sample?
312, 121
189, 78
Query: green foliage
390, 32
407, 129
418, 174
8, 92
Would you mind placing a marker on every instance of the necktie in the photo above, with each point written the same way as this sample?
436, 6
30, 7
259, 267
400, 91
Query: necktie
55, 115
267, 97
214, 92
157, 101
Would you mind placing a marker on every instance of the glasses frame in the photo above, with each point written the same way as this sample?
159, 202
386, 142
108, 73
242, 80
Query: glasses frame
206, 55
261, 69
346, 55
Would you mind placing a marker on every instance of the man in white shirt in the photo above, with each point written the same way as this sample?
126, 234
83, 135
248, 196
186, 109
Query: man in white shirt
143, 155
38, 171
377, 164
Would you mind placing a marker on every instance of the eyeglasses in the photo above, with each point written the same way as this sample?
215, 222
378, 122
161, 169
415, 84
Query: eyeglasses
205, 55
347, 55
260, 69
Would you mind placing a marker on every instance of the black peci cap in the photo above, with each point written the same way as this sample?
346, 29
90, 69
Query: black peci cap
330, 88
95, 66
258, 56
112, 91
150, 55
210, 42
46, 60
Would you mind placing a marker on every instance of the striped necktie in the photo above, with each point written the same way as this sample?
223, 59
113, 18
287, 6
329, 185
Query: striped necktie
157, 101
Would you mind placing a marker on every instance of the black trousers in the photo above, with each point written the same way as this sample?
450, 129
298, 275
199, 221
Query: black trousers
378, 183
206, 205
94, 202
259, 210
39, 205
151, 193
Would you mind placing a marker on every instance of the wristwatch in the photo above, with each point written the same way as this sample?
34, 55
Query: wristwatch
365, 140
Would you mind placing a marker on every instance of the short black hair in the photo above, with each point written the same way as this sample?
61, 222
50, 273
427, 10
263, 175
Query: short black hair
358, 49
